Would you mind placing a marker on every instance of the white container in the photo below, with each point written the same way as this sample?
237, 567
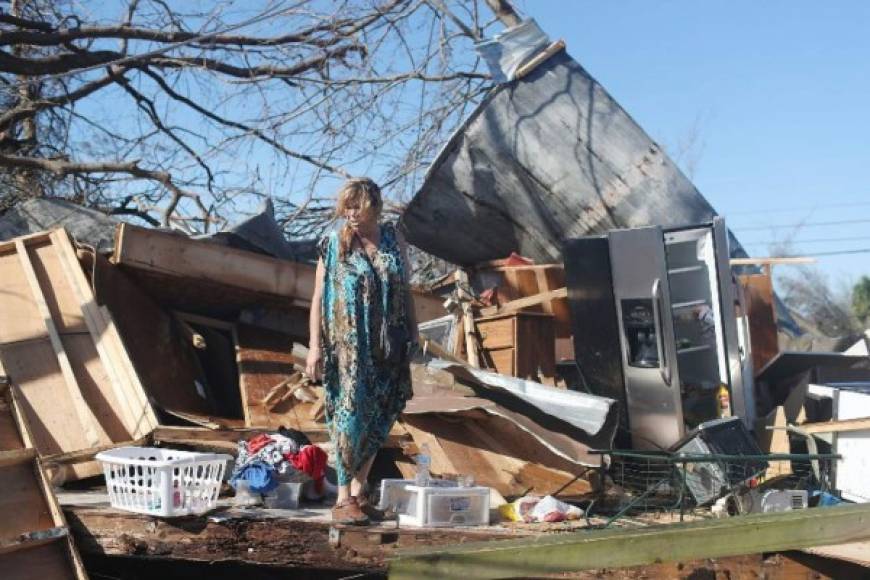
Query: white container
162, 482
244, 496
446, 506
285, 496
395, 495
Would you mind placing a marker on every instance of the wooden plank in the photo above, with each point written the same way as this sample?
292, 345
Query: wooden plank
181, 257
22, 503
88, 454
17, 308
540, 58
760, 310
52, 560
544, 287
45, 397
467, 318
842, 426
770, 261
528, 301
613, 549
86, 417
17, 456
32, 528
129, 393
265, 359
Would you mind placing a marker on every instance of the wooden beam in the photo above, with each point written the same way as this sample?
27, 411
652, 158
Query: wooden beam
520, 303
179, 256
84, 413
770, 261
540, 58
860, 424
192, 435
620, 548
84, 455
17, 456
138, 416
462, 290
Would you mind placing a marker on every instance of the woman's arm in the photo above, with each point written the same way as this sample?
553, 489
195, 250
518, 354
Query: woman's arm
312, 361
410, 312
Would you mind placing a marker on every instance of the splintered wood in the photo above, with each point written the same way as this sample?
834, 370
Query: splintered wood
77, 385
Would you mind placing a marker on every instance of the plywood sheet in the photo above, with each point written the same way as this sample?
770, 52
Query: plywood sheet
758, 292
66, 312
45, 399
76, 388
20, 318
49, 561
265, 359
34, 540
22, 502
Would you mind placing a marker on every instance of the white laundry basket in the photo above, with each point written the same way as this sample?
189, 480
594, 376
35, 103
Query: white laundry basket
162, 482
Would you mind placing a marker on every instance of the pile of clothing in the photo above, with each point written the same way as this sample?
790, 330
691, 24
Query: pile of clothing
268, 459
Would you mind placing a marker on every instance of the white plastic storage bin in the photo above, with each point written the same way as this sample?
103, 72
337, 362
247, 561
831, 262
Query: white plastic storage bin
285, 496
395, 495
446, 506
162, 482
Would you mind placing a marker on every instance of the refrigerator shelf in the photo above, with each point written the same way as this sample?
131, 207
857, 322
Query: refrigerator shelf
686, 269
689, 304
691, 349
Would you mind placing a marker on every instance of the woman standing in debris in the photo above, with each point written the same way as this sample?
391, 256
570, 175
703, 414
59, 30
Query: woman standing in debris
362, 330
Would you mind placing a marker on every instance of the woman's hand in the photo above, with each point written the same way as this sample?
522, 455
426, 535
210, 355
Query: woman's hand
312, 364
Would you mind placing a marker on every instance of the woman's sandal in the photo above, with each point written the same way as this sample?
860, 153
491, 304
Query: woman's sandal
348, 512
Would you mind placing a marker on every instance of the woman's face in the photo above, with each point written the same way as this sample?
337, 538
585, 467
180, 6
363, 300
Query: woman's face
357, 217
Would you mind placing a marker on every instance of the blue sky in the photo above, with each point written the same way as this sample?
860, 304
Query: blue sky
771, 100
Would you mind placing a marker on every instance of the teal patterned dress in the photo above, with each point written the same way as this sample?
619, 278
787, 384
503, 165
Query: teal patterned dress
364, 396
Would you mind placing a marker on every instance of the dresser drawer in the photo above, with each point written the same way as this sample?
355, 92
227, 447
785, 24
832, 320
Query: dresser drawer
498, 333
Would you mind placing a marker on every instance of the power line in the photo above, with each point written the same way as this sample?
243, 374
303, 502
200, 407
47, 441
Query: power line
797, 208
809, 241
801, 225
839, 253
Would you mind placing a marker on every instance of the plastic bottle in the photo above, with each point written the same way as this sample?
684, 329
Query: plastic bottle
424, 461
723, 401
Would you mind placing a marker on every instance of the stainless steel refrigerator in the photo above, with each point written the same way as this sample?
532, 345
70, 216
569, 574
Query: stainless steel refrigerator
655, 315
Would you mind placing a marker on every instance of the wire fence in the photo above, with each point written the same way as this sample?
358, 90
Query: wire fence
634, 482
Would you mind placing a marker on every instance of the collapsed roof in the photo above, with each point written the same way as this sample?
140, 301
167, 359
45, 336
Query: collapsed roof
548, 157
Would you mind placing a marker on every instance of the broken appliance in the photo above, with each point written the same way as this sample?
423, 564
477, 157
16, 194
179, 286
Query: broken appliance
655, 326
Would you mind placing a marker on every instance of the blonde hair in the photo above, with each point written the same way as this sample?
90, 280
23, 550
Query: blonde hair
360, 191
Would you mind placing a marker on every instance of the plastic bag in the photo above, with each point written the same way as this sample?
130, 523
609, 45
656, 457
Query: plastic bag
532, 508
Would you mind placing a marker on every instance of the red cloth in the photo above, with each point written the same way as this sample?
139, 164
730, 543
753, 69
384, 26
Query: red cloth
256, 443
516, 260
311, 459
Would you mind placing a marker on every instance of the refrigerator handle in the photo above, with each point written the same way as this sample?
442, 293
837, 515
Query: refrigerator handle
664, 362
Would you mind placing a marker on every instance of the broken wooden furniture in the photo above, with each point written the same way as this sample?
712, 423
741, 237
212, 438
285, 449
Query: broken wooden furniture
529, 288
520, 344
34, 538
78, 387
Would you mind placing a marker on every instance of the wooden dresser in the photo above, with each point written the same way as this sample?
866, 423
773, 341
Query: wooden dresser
520, 344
